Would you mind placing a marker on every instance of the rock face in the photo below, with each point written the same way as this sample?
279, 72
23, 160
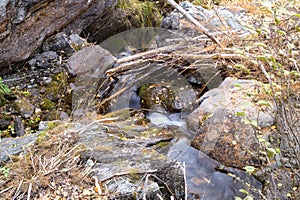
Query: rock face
224, 123
124, 153
25, 24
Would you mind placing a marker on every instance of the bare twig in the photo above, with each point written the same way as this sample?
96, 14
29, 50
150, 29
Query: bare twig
2, 191
18, 189
126, 173
29, 191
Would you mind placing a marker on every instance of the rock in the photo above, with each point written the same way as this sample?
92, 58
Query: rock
64, 116
14, 146
225, 138
205, 181
44, 60
235, 96
28, 23
25, 107
222, 131
90, 61
89, 64
45, 125
129, 150
19, 127
208, 18
4, 122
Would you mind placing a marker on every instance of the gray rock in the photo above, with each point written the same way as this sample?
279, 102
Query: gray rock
204, 181
89, 64
44, 125
28, 23
19, 127
120, 148
44, 60
235, 96
25, 107
208, 18
58, 43
15, 146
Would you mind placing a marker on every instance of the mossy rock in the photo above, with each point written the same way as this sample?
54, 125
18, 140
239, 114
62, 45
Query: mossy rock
47, 104
141, 13
157, 94
24, 107
57, 87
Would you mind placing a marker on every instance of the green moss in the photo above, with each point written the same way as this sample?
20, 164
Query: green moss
47, 104
41, 137
45, 134
142, 13
57, 87
4, 89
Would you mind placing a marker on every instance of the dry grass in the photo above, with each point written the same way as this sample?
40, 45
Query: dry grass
52, 169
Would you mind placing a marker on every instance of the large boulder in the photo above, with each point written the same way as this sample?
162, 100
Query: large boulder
226, 123
25, 24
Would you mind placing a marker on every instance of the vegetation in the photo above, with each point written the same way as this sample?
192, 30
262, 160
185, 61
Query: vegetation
4, 89
143, 13
271, 54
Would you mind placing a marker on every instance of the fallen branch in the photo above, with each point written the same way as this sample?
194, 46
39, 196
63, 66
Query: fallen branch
194, 21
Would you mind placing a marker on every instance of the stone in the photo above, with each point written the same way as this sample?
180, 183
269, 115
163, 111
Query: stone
208, 18
89, 64
24, 25
44, 60
25, 107
19, 127
226, 120
225, 138
14, 146
132, 152
236, 96
205, 181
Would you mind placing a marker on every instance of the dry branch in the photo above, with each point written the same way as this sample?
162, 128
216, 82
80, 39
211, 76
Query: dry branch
194, 21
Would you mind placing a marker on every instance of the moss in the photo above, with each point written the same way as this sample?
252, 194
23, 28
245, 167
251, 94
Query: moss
142, 13
41, 137
47, 104
45, 134
57, 87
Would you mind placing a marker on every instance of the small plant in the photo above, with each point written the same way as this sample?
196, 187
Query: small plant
5, 171
4, 89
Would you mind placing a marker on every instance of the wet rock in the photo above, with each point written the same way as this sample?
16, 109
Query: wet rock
157, 94
205, 181
25, 107
19, 127
14, 146
43, 18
